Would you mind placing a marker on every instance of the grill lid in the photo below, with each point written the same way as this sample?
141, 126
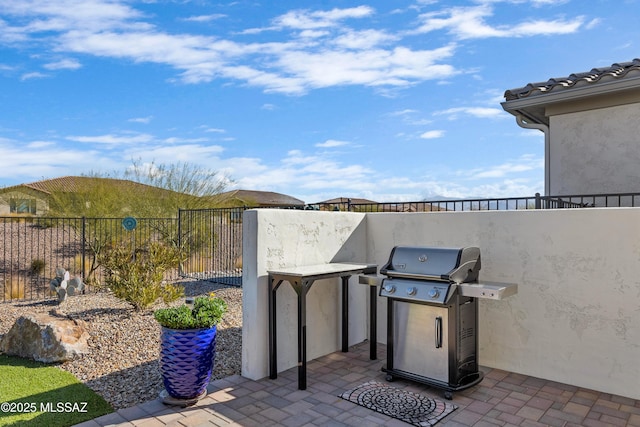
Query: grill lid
459, 265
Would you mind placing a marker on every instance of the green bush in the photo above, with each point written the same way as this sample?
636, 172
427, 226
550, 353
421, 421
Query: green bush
206, 312
37, 266
137, 277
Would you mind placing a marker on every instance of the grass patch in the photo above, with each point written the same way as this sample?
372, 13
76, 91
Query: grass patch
37, 394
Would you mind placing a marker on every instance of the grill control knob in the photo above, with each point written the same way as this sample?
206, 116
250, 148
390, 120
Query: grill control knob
389, 289
434, 293
412, 291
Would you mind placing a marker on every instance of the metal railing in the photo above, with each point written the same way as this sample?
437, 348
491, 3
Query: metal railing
595, 200
32, 248
213, 241
498, 203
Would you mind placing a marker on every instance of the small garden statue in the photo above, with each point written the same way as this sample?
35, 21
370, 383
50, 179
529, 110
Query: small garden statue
62, 285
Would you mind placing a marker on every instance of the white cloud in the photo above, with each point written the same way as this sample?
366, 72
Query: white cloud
539, 27
398, 67
313, 34
480, 112
365, 39
44, 160
64, 15
593, 24
532, 133
309, 20
317, 176
205, 18
63, 64
112, 139
144, 120
33, 75
548, 2
189, 153
523, 164
332, 54
331, 143
432, 134
39, 144
403, 112
175, 140
470, 23
212, 130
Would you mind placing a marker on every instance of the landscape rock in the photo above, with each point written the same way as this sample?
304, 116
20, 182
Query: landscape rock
48, 338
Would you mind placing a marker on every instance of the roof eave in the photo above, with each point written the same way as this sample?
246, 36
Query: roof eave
533, 107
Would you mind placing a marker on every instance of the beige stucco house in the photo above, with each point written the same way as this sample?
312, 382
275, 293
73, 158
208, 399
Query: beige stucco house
33, 199
591, 122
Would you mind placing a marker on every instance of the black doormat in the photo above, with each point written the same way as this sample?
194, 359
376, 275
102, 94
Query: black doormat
403, 405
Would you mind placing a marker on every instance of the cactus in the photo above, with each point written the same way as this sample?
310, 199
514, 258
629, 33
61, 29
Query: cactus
63, 285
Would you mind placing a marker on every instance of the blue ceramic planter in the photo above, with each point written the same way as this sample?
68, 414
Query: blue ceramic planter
186, 360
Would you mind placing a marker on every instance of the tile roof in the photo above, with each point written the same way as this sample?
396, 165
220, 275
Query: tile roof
72, 184
345, 200
261, 198
616, 71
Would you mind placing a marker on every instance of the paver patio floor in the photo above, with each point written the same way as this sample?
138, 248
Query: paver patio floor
501, 399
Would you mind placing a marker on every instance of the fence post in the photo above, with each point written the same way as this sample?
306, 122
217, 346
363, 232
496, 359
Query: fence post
538, 201
84, 252
180, 266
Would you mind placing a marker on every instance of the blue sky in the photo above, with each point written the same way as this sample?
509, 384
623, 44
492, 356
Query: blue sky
385, 100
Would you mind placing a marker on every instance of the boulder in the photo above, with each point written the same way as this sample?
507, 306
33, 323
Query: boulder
46, 338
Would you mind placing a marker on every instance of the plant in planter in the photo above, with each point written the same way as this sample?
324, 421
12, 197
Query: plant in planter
187, 348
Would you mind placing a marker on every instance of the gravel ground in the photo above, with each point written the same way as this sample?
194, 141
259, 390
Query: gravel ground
122, 363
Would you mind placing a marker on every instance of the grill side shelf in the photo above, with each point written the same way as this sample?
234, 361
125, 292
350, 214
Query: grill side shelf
488, 290
370, 279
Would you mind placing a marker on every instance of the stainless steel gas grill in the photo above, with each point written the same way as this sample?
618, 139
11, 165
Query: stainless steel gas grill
432, 315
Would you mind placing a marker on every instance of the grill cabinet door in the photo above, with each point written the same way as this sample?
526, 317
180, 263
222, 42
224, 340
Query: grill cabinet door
421, 339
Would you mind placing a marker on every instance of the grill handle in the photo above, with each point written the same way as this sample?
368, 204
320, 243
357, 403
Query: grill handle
438, 332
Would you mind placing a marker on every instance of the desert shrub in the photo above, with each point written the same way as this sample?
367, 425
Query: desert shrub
199, 262
77, 266
37, 266
138, 276
14, 289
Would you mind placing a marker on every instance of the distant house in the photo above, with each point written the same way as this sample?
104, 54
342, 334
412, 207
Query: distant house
35, 198
250, 198
591, 123
414, 207
341, 203
355, 204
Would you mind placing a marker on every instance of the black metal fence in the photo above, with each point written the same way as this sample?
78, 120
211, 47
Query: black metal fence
213, 241
501, 203
32, 248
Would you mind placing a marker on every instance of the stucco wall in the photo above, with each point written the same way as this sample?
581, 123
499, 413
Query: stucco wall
575, 319
595, 151
5, 201
275, 238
